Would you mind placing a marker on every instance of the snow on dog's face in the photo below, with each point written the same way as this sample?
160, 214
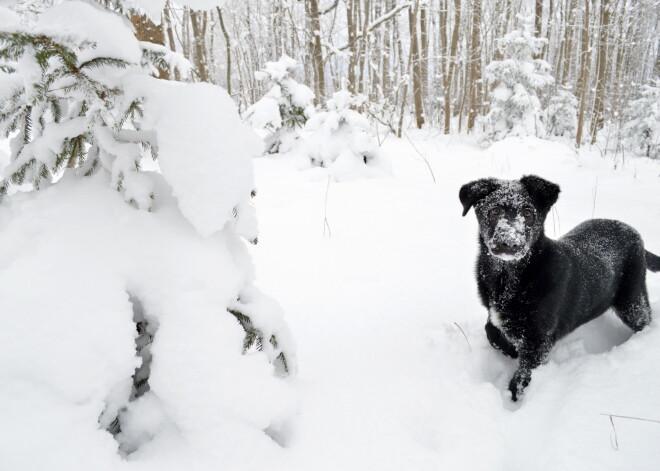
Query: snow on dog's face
511, 213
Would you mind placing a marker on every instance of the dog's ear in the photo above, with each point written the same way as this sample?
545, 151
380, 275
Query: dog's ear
543, 193
472, 192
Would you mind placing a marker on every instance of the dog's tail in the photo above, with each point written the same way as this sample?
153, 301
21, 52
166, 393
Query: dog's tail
652, 261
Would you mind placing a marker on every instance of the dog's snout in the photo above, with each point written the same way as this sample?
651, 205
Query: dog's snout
508, 246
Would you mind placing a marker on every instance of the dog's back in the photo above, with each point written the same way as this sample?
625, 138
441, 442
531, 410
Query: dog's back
610, 263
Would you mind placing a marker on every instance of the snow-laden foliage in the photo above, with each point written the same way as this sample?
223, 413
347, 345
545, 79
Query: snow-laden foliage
155, 56
560, 116
515, 108
284, 109
642, 130
340, 138
111, 280
62, 104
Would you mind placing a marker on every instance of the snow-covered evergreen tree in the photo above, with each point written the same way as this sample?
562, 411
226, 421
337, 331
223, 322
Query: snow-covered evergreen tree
515, 108
76, 101
284, 109
340, 138
560, 116
642, 129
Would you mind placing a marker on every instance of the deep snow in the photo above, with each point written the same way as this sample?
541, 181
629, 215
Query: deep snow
387, 379
378, 306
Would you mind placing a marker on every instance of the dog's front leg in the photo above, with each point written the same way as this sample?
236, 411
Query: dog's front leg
530, 356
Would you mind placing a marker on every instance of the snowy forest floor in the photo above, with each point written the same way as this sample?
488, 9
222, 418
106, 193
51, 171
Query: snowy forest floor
395, 369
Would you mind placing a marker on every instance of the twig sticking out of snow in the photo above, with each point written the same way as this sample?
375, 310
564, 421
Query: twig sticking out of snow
632, 418
426, 161
326, 225
463, 332
615, 444
594, 192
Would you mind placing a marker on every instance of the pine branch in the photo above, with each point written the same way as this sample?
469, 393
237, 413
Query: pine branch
104, 62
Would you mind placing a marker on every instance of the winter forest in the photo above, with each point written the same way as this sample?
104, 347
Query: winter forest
435, 62
231, 235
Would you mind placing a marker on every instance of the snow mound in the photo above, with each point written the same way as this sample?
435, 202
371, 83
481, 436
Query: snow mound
209, 167
78, 263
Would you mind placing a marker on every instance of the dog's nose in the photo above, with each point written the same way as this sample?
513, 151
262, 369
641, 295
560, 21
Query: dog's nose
506, 246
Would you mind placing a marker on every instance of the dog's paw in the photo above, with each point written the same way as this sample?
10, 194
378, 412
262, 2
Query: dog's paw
518, 384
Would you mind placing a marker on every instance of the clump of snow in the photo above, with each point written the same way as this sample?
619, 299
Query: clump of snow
74, 253
209, 167
111, 34
341, 139
284, 109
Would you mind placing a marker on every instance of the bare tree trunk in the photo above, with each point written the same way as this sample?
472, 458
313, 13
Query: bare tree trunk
451, 60
199, 35
363, 53
316, 51
185, 32
424, 57
416, 66
352, 36
228, 48
387, 51
538, 17
475, 65
568, 40
584, 74
170, 34
601, 81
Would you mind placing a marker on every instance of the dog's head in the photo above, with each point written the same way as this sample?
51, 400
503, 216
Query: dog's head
511, 213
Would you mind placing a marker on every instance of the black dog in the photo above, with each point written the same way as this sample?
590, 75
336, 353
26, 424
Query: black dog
536, 289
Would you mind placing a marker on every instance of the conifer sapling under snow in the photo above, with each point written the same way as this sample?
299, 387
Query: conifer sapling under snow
341, 139
515, 108
560, 116
642, 131
284, 109
76, 100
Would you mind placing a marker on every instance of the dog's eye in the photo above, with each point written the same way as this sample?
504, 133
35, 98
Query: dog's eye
496, 212
527, 213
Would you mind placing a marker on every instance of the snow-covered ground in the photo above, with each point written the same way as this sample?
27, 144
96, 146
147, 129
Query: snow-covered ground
376, 279
378, 300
